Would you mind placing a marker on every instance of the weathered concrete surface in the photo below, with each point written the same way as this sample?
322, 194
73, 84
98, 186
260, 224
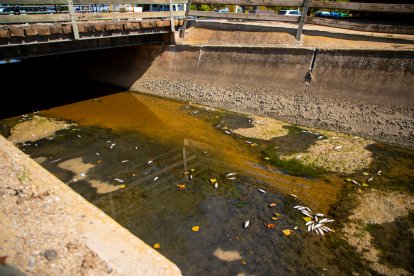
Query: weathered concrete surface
39, 212
363, 92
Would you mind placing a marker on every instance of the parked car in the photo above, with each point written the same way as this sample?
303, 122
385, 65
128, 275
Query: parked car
322, 14
223, 10
289, 12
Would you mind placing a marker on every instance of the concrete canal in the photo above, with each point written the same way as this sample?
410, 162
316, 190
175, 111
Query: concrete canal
185, 178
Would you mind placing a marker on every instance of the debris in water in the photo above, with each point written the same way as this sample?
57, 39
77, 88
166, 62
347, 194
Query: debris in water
112, 146
298, 157
195, 228
287, 232
243, 262
295, 228
157, 246
262, 191
124, 161
231, 178
365, 185
275, 218
246, 224
119, 180
192, 170
313, 222
273, 204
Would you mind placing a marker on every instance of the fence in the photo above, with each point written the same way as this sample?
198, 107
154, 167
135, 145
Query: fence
304, 18
74, 17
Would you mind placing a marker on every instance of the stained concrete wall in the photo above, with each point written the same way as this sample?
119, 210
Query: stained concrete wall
363, 92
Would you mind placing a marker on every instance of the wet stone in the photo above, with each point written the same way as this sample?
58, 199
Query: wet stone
50, 254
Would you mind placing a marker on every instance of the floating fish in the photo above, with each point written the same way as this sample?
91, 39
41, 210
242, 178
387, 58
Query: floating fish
379, 172
119, 180
136, 148
149, 162
191, 177
227, 132
82, 174
320, 137
124, 161
295, 227
231, 178
215, 185
79, 136
298, 157
365, 173
112, 146
262, 191
246, 224
156, 178
293, 195
97, 153
370, 179
337, 147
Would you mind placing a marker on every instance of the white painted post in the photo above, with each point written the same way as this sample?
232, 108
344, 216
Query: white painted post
73, 19
171, 17
182, 33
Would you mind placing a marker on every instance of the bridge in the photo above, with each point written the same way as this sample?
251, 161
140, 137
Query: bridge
70, 28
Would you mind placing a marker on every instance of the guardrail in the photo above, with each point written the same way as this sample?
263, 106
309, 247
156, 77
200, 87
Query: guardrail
304, 18
74, 16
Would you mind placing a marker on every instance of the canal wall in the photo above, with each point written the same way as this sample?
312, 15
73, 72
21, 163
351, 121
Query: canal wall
362, 92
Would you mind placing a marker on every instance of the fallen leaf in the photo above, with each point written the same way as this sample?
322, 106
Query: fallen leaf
270, 225
195, 228
121, 186
243, 262
365, 184
276, 214
193, 170
181, 186
213, 180
267, 158
307, 219
157, 245
287, 232
186, 173
275, 218
365, 173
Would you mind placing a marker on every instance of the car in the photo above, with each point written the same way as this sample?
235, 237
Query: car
289, 12
223, 10
322, 14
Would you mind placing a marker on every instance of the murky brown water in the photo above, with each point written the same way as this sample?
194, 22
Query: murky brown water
105, 157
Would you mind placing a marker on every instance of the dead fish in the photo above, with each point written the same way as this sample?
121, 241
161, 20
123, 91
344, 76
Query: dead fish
56, 160
246, 224
97, 153
82, 174
191, 176
293, 195
109, 141
79, 136
310, 227
215, 185
320, 137
247, 142
309, 222
124, 161
297, 206
119, 180
318, 225
370, 179
262, 191
230, 174
136, 148
355, 182
323, 220
337, 147
379, 172
295, 227
231, 178
319, 215
149, 162
298, 157
227, 132
156, 178
112, 146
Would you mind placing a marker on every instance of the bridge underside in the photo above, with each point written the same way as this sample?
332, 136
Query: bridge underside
31, 40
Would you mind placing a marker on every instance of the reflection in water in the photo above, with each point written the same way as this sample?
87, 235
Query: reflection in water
149, 163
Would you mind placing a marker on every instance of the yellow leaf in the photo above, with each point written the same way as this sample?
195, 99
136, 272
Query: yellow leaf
349, 179
365, 184
195, 228
276, 214
287, 232
121, 186
307, 219
267, 158
181, 186
274, 218
270, 225
186, 173
157, 245
213, 180
192, 170
365, 173
243, 262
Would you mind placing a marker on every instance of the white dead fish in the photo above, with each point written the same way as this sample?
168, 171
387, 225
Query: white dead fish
262, 191
246, 224
136, 148
109, 141
231, 178
230, 174
97, 153
323, 220
112, 146
191, 176
293, 195
310, 222
337, 147
379, 172
297, 206
119, 180
156, 178
298, 157
310, 227
215, 185
82, 174
227, 132
370, 179
295, 227
319, 215
320, 137
318, 225
56, 160
124, 161
355, 182
149, 162
79, 136
247, 142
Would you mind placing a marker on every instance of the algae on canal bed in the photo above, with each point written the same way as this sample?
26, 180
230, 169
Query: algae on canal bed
127, 153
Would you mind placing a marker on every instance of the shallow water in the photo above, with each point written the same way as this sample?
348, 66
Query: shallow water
151, 145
